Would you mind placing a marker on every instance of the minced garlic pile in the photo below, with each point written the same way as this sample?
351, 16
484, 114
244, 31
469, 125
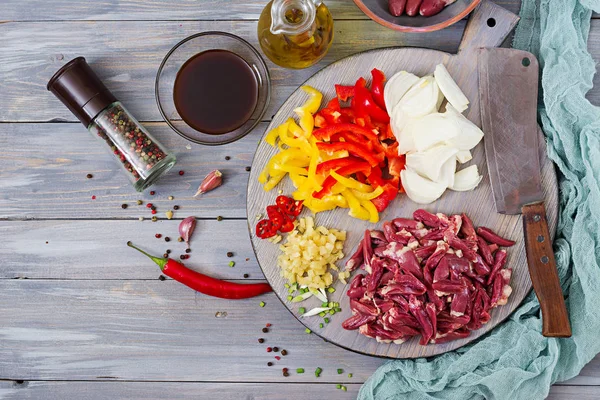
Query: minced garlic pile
309, 252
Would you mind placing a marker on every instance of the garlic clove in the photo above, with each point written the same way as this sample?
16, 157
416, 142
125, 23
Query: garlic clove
186, 229
211, 181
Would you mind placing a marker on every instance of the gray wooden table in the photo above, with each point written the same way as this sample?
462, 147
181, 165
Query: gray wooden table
81, 315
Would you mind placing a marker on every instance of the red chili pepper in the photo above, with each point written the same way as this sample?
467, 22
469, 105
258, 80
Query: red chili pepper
377, 87
344, 92
265, 228
288, 205
288, 224
276, 216
296, 209
356, 150
205, 284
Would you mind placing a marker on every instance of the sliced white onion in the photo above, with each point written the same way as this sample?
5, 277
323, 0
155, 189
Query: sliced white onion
420, 190
450, 89
429, 163
447, 172
396, 87
466, 179
431, 130
464, 156
421, 99
469, 134
315, 311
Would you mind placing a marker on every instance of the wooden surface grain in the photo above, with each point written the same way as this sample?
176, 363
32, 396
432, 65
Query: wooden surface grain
162, 337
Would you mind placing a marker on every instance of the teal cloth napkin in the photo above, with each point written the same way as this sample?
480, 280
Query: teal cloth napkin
515, 361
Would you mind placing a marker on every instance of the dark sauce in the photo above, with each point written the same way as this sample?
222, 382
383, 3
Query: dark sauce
215, 91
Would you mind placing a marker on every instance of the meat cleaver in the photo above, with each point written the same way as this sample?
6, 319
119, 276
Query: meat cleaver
508, 91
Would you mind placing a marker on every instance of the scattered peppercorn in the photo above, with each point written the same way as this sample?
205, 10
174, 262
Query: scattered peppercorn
180, 239
139, 202
154, 219
229, 254
232, 263
269, 349
93, 197
158, 236
349, 375
161, 278
153, 211
261, 340
89, 176
265, 330
307, 330
168, 251
175, 208
165, 255
268, 325
181, 172
284, 370
247, 259
340, 371
169, 214
284, 352
153, 208
167, 239
188, 250
246, 275
262, 304
247, 168
269, 364
277, 358
149, 205
141, 218
227, 158
171, 197
286, 374
152, 193
276, 349
219, 218
182, 257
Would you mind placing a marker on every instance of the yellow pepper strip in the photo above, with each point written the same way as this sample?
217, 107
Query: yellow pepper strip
295, 129
370, 207
312, 166
338, 188
351, 183
306, 111
356, 209
335, 154
290, 169
272, 136
300, 143
297, 180
264, 176
272, 182
367, 196
326, 203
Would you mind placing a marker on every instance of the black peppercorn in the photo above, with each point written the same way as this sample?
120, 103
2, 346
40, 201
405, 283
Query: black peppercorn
188, 250
265, 330
227, 158
269, 364
284, 352
161, 278
89, 176
247, 168
219, 218
180, 239
275, 349
286, 374
182, 257
123, 206
260, 340
229, 254
167, 239
165, 255
246, 275
175, 207
168, 251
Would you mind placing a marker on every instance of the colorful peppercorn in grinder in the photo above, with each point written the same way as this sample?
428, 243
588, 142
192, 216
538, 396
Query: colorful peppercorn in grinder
80, 89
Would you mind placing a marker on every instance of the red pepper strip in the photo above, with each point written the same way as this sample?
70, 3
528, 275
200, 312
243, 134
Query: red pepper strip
328, 131
352, 138
334, 104
363, 102
344, 92
324, 167
375, 178
384, 199
330, 181
354, 149
377, 87
396, 164
360, 83
348, 114
361, 177
320, 120
205, 284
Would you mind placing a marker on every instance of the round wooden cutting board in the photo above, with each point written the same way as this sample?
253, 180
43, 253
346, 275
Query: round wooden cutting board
478, 204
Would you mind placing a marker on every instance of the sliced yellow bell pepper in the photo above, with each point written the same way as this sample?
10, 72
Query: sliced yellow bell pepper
306, 111
356, 209
290, 169
272, 136
295, 129
326, 203
273, 181
367, 196
370, 207
297, 180
351, 183
300, 143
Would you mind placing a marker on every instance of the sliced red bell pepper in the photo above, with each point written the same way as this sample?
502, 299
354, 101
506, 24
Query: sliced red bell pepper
320, 121
363, 102
384, 199
354, 149
396, 164
361, 177
377, 84
360, 83
324, 167
344, 92
330, 181
330, 130
349, 137
334, 104
375, 177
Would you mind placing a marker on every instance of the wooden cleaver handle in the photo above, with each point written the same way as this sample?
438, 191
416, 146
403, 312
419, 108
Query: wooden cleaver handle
542, 268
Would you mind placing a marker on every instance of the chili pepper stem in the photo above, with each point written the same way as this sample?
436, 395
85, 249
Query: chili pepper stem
161, 262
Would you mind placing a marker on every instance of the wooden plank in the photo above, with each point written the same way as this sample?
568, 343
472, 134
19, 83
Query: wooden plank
180, 390
97, 249
44, 175
127, 56
13, 10
153, 330
574, 392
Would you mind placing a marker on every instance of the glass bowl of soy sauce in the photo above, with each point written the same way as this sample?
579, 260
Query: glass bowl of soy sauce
213, 88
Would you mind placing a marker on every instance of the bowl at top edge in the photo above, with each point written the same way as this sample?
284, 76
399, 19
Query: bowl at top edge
188, 48
378, 11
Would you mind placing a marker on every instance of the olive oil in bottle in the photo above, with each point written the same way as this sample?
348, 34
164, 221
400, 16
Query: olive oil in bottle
295, 33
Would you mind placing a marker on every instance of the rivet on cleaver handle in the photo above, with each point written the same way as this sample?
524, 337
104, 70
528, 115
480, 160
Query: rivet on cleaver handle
508, 82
